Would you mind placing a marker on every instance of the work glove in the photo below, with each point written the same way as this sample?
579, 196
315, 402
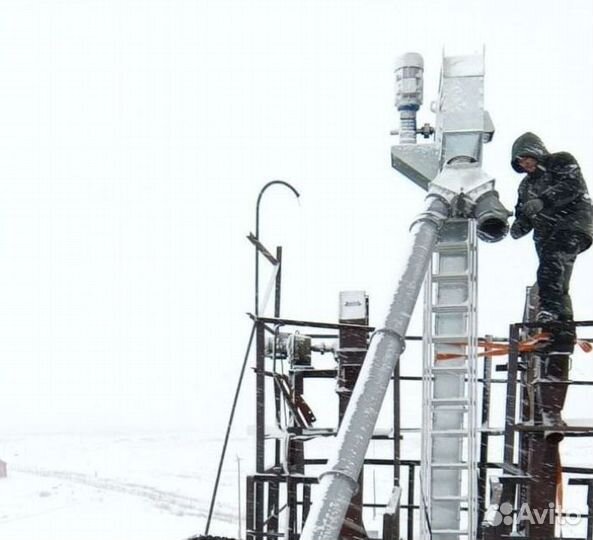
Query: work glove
518, 229
532, 207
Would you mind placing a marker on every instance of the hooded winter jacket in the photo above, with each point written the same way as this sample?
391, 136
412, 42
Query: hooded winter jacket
559, 184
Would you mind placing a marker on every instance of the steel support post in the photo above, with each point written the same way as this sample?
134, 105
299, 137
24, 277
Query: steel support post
273, 500
250, 508
291, 490
525, 441
397, 438
352, 350
543, 463
296, 456
511, 401
306, 501
485, 420
411, 484
589, 483
509, 487
273, 487
260, 419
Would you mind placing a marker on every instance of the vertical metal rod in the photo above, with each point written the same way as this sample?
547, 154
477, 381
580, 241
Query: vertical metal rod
352, 349
291, 488
525, 444
278, 289
228, 429
396, 438
396, 425
296, 457
273, 499
249, 511
426, 446
260, 379
374, 494
590, 512
472, 383
484, 435
260, 417
296, 448
239, 496
509, 488
411, 482
273, 487
340, 480
306, 502
510, 411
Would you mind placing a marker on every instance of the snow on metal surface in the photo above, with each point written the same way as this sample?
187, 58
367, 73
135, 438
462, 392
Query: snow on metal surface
339, 481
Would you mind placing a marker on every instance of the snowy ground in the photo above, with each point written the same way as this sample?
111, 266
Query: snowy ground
115, 486
157, 485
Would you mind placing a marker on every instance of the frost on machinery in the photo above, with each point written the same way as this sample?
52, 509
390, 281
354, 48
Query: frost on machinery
463, 478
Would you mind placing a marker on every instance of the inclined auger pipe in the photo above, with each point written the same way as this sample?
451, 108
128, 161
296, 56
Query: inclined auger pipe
340, 481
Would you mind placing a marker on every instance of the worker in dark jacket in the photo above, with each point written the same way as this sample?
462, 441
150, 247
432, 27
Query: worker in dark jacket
554, 202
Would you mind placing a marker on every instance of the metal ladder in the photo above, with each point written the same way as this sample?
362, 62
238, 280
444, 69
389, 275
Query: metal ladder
448, 468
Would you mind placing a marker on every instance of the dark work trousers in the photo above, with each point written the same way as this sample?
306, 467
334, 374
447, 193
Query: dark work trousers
557, 255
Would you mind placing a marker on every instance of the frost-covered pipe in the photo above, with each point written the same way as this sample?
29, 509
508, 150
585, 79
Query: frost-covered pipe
339, 482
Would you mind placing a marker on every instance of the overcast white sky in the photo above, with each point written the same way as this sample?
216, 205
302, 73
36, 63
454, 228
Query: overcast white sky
135, 136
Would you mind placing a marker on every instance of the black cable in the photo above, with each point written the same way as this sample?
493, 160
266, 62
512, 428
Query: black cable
228, 429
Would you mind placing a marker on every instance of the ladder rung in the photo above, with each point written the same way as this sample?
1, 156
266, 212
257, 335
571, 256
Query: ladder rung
445, 498
445, 367
451, 246
449, 531
491, 430
450, 401
449, 433
451, 277
567, 430
455, 340
454, 465
450, 308
443, 408
544, 381
514, 477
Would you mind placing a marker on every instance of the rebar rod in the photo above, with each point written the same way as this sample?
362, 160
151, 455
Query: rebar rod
229, 425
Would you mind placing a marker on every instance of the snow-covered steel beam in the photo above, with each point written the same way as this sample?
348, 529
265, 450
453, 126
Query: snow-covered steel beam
339, 482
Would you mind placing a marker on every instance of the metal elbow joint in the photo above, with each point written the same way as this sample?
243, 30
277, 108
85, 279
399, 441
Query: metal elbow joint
492, 217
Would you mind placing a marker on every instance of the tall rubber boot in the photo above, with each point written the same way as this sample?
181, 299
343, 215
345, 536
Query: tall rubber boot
551, 395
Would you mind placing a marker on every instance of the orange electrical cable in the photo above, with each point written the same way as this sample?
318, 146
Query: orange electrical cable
494, 348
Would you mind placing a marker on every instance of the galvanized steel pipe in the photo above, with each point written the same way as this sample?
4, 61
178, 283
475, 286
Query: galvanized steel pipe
339, 482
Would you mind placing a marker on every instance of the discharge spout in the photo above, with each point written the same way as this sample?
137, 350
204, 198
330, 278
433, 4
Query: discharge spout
492, 217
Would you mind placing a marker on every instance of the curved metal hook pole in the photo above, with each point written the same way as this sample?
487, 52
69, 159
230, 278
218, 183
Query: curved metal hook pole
247, 351
259, 197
